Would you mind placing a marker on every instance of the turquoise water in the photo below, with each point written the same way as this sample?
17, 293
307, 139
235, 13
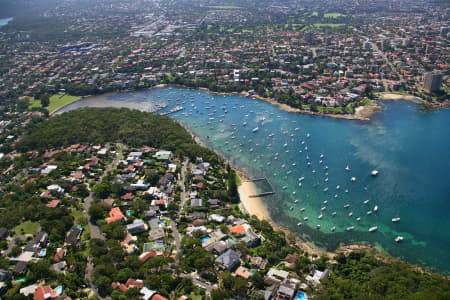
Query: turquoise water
5, 21
407, 146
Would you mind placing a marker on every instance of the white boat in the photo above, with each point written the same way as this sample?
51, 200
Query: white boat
299, 224
395, 220
346, 205
333, 213
284, 187
302, 209
347, 168
323, 208
255, 129
358, 219
326, 179
374, 172
318, 226
353, 179
333, 228
399, 239
375, 209
305, 219
296, 201
320, 217
369, 212
350, 214
285, 145
244, 124
325, 202
291, 208
301, 179
325, 189
372, 229
350, 228
321, 155
367, 201
297, 129
308, 135
338, 187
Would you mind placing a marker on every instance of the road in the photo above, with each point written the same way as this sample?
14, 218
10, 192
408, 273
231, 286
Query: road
95, 230
173, 223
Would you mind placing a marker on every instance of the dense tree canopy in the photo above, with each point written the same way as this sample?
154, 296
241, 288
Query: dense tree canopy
104, 125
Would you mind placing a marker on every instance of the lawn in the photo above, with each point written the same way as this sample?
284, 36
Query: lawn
328, 25
56, 101
332, 15
28, 228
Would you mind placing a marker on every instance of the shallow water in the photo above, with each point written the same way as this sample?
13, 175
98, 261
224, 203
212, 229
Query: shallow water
408, 147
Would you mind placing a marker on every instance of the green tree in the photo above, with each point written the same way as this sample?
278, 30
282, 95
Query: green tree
45, 100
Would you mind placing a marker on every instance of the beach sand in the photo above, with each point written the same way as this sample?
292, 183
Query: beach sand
252, 205
393, 96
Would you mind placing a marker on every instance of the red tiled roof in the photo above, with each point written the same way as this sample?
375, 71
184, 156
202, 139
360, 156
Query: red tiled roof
53, 203
114, 215
237, 229
158, 297
44, 292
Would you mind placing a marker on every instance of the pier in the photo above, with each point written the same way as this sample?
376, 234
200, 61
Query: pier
267, 193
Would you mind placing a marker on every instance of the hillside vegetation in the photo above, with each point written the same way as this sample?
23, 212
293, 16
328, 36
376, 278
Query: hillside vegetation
109, 125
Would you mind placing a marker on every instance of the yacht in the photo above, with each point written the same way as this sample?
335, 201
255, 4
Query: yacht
302, 209
346, 205
358, 219
284, 187
318, 226
323, 208
333, 213
305, 219
367, 201
399, 239
372, 229
353, 179
321, 155
325, 202
308, 135
296, 201
301, 179
333, 228
325, 189
395, 220
350, 214
374, 172
299, 224
338, 187
326, 179
347, 168
320, 217
375, 209
291, 208
350, 228
369, 212
255, 129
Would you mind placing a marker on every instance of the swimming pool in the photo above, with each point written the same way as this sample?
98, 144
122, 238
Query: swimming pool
205, 239
301, 296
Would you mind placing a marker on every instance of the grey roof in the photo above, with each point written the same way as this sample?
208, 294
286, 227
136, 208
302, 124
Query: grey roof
196, 202
230, 259
156, 234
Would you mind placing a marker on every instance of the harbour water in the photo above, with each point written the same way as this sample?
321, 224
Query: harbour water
5, 21
407, 146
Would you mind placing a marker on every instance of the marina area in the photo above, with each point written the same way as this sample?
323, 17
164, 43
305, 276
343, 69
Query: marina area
330, 181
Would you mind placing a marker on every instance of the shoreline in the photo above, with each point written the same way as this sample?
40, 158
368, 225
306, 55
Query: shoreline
255, 206
389, 96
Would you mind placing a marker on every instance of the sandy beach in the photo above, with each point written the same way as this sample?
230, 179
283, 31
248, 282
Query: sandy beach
252, 205
393, 96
